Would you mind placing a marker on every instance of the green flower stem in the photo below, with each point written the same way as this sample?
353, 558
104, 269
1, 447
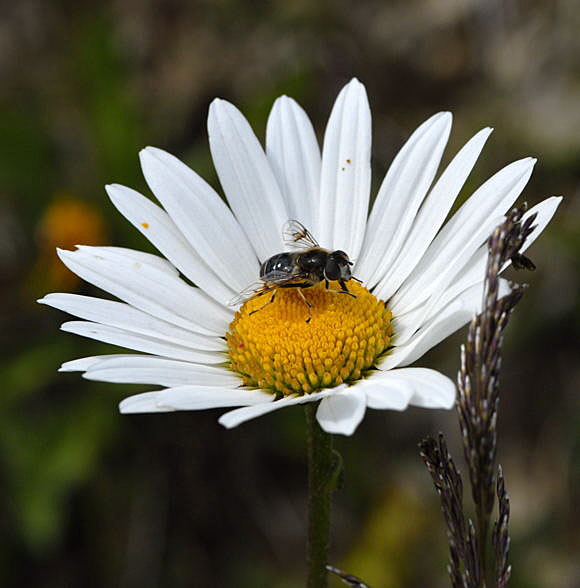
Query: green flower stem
323, 471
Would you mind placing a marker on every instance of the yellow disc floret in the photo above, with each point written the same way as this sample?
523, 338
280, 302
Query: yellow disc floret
274, 346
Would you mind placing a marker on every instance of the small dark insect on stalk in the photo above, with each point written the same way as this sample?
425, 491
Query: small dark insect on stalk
477, 409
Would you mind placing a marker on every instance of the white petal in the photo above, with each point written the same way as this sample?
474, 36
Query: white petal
134, 256
470, 297
294, 155
147, 288
430, 389
400, 196
142, 369
203, 397
241, 415
384, 392
444, 320
247, 179
432, 214
471, 274
545, 211
141, 403
162, 232
84, 363
342, 412
346, 172
448, 321
202, 216
462, 235
119, 314
143, 343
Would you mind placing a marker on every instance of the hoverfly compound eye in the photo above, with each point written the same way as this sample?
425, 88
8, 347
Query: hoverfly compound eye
332, 269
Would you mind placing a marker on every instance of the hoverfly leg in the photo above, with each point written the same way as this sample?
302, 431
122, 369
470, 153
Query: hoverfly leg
307, 304
356, 279
272, 298
343, 290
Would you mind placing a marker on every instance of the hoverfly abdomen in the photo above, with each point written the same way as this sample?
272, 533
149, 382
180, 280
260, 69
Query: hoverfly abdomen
281, 263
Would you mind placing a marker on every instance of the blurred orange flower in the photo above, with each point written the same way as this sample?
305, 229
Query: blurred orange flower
67, 221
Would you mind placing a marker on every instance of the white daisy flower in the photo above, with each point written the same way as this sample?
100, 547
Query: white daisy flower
421, 278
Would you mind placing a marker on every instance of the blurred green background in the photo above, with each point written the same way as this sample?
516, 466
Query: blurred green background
91, 498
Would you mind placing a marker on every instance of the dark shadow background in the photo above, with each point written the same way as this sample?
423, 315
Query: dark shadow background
90, 498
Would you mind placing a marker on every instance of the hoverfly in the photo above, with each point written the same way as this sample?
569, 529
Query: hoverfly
306, 267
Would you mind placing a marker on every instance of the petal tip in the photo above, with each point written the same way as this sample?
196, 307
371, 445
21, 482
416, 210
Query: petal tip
219, 103
65, 253
145, 153
346, 431
227, 423
447, 117
114, 191
219, 115
352, 90
145, 402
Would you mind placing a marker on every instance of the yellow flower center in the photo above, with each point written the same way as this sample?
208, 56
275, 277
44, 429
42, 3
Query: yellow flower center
274, 347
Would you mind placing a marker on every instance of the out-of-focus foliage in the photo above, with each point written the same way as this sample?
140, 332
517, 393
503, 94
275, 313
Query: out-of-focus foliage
90, 498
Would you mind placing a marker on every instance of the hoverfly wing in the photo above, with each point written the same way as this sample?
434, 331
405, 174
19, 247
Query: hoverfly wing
296, 234
267, 283
273, 279
254, 289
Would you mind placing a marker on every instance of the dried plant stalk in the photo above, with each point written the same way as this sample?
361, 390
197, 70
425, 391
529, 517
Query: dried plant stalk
463, 565
501, 539
348, 579
477, 408
478, 377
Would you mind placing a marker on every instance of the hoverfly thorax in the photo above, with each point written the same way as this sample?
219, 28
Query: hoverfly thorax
312, 261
